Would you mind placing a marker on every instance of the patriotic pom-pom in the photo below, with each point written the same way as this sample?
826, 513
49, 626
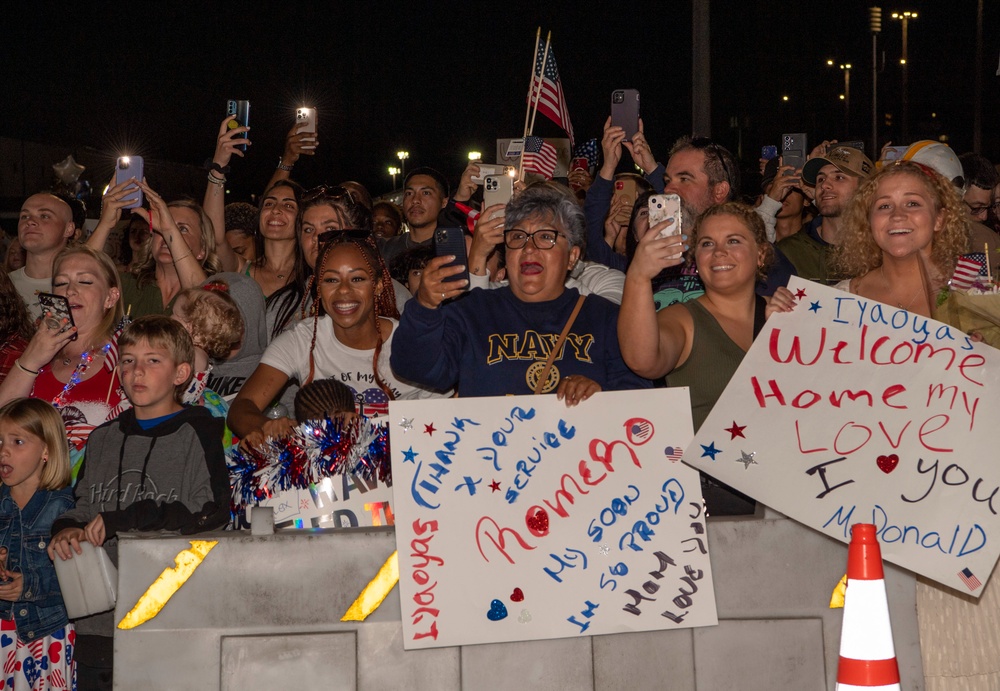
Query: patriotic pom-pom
315, 450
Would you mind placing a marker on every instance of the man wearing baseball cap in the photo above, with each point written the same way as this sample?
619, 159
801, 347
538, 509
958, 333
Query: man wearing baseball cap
835, 176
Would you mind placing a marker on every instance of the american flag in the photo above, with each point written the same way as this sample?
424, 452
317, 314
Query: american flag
551, 99
969, 579
673, 453
968, 269
588, 150
539, 157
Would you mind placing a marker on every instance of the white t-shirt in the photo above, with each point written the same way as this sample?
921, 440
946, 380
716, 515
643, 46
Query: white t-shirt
289, 353
29, 288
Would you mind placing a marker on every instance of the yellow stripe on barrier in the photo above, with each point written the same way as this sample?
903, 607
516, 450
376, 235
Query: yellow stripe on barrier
167, 583
837, 598
376, 591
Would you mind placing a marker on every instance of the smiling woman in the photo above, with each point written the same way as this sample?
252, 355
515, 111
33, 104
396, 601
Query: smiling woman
506, 340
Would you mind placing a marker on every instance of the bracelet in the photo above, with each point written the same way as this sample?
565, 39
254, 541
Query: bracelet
282, 166
24, 369
216, 181
212, 165
184, 257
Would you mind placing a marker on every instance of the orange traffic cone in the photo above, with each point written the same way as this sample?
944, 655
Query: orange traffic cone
867, 655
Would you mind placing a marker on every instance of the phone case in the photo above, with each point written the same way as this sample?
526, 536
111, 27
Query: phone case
497, 189
625, 111
241, 109
126, 168
662, 207
451, 241
793, 150
58, 307
305, 119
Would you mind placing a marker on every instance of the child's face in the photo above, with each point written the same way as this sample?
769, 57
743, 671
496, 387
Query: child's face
413, 280
150, 377
21, 454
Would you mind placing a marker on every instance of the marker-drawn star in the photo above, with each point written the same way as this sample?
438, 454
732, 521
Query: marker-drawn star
495, 486
800, 293
406, 424
815, 306
710, 450
429, 429
410, 456
605, 550
736, 431
747, 459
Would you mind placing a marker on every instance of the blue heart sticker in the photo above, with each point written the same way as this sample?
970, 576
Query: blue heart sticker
497, 611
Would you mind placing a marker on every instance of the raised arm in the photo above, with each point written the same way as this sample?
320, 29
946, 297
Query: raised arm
114, 200
188, 266
296, 144
215, 193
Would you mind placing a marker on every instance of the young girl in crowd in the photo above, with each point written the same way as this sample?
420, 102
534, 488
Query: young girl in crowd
37, 639
349, 339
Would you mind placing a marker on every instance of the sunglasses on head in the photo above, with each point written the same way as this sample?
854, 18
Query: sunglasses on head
706, 144
329, 192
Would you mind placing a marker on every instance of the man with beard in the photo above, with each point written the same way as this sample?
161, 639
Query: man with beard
835, 177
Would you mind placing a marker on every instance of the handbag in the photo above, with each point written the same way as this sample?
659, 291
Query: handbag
540, 384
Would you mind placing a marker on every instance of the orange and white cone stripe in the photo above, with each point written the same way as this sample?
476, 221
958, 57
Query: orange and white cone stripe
867, 656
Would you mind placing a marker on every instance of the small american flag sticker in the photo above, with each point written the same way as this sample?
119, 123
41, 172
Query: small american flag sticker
673, 453
969, 579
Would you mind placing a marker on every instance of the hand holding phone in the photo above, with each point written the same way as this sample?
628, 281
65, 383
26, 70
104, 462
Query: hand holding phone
56, 312
241, 109
625, 111
793, 150
305, 123
664, 207
497, 189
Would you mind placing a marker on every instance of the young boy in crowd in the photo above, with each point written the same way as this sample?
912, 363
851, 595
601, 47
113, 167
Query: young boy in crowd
158, 466
408, 268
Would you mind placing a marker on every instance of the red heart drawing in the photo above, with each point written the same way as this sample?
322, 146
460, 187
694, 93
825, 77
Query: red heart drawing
539, 522
54, 650
887, 464
517, 595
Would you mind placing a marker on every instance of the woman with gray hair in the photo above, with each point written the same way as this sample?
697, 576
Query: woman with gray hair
510, 340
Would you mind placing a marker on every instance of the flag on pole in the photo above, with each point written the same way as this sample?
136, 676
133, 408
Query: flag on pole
968, 268
551, 99
539, 157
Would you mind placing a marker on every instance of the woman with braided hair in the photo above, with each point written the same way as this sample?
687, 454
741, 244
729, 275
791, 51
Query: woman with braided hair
349, 339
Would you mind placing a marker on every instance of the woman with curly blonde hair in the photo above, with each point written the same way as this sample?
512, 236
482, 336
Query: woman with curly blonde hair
904, 230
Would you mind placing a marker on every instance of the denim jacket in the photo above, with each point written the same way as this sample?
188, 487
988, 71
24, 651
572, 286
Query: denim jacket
26, 534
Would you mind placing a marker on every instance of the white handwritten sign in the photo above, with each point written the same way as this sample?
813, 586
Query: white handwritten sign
518, 518
850, 411
339, 501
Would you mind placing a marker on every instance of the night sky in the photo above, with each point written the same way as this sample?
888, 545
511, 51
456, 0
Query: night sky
440, 79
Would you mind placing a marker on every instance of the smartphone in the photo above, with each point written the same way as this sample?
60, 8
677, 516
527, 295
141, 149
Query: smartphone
625, 111
663, 207
793, 150
241, 109
55, 309
451, 241
497, 189
126, 168
305, 121
491, 169
580, 164
628, 189
768, 152
894, 153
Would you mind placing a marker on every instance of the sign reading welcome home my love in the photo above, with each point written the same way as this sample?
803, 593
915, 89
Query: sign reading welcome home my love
850, 411
518, 518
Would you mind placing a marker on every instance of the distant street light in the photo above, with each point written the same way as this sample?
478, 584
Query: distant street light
402, 156
393, 171
784, 98
904, 62
475, 156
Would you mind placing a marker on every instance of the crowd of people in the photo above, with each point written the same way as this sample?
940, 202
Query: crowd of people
192, 327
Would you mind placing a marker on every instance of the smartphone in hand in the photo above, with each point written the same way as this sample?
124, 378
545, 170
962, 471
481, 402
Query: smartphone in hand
126, 168
663, 207
793, 150
451, 241
241, 109
625, 111
497, 189
56, 311
305, 121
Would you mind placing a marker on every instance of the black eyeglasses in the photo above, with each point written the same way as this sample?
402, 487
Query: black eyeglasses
329, 192
706, 144
542, 239
345, 233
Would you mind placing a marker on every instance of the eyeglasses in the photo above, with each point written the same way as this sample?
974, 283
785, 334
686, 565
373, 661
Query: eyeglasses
344, 234
330, 192
706, 144
542, 239
979, 210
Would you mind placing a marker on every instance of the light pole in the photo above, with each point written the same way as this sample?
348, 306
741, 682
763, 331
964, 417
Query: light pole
846, 96
905, 17
875, 24
402, 156
393, 171
475, 156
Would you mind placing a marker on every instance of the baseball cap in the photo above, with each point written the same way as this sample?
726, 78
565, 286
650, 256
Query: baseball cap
938, 156
845, 158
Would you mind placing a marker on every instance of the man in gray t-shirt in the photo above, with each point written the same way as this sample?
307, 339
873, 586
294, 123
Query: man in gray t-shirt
44, 227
